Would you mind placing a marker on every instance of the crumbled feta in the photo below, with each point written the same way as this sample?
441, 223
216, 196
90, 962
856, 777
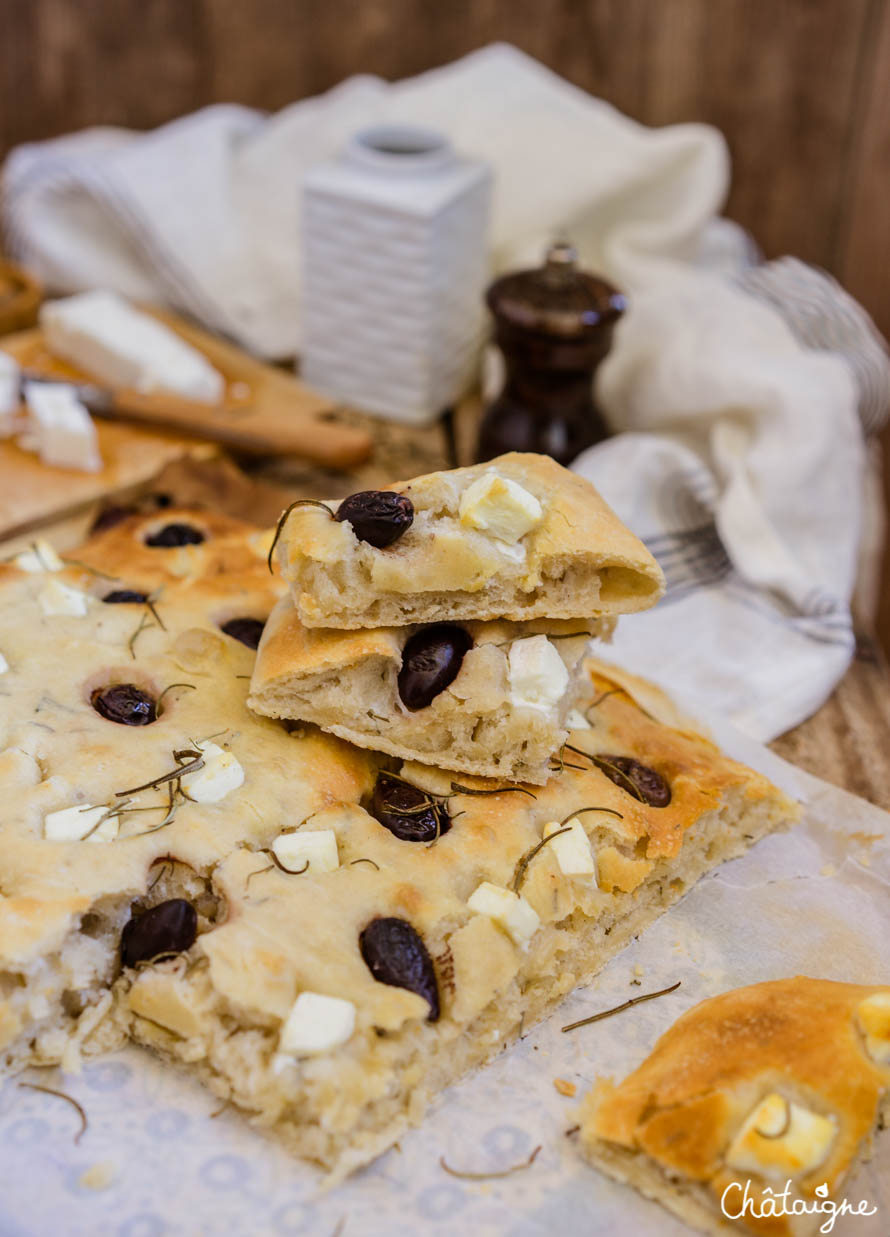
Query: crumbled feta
72, 824
56, 597
103, 334
317, 847
60, 427
577, 721
874, 1018
316, 1024
510, 911
221, 774
496, 505
537, 673
781, 1139
40, 557
571, 850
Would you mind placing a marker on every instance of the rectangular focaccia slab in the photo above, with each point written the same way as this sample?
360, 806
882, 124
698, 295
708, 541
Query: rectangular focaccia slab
503, 714
276, 908
519, 537
778, 1082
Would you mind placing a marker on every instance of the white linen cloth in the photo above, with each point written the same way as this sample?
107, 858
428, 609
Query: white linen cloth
740, 384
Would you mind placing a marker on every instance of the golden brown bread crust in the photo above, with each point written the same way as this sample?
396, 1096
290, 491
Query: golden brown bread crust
63, 904
680, 1110
580, 559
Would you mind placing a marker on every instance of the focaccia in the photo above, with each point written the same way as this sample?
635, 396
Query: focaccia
490, 699
781, 1082
326, 936
519, 537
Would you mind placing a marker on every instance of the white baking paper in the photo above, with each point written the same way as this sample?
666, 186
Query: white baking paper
153, 1164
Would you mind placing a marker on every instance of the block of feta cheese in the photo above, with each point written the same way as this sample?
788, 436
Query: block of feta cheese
118, 345
10, 377
60, 428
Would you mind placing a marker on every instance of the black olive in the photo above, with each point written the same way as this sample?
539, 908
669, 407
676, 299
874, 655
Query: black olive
407, 811
124, 703
168, 928
377, 516
108, 517
175, 534
651, 787
247, 630
123, 596
431, 660
395, 955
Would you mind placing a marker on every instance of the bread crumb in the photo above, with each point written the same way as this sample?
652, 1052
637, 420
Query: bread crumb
564, 1087
97, 1176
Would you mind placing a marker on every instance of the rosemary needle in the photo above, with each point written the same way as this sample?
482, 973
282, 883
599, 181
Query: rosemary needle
619, 1009
504, 1172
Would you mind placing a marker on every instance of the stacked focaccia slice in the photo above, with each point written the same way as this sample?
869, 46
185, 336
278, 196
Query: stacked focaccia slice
494, 578
326, 936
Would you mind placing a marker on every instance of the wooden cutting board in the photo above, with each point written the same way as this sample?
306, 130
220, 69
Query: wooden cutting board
32, 494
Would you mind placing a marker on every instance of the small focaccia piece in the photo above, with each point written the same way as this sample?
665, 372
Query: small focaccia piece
777, 1084
490, 699
519, 537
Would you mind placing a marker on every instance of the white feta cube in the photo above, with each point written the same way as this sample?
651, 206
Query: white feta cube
316, 1024
496, 505
40, 557
874, 1019
508, 909
61, 428
537, 674
572, 850
57, 597
73, 824
104, 335
782, 1139
220, 774
317, 847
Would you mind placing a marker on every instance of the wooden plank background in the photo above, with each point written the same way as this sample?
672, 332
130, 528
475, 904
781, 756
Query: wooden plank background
801, 88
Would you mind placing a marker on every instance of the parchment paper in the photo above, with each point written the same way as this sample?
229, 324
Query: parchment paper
152, 1164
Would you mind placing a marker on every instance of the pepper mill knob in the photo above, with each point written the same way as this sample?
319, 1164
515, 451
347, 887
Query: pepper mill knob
554, 326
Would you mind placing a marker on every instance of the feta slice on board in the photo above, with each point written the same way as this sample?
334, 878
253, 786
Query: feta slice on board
40, 557
10, 381
73, 824
499, 506
509, 910
56, 597
315, 1024
572, 850
317, 847
537, 673
60, 428
102, 334
221, 774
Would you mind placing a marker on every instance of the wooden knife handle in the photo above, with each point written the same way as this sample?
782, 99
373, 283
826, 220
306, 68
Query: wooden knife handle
245, 428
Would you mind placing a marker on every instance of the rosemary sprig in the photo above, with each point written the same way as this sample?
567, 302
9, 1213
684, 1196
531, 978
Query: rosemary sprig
194, 759
76, 562
522, 865
504, 1172
279, 528
257, 872
280, 866
619, 1009
169, 688
499, 790
625, 782
363, 859
579, 810
143, 623
62, 1095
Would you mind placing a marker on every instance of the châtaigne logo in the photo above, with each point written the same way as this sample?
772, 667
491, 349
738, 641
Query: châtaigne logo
737, 1201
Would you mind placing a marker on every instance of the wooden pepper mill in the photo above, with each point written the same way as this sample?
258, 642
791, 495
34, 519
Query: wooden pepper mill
554, 326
